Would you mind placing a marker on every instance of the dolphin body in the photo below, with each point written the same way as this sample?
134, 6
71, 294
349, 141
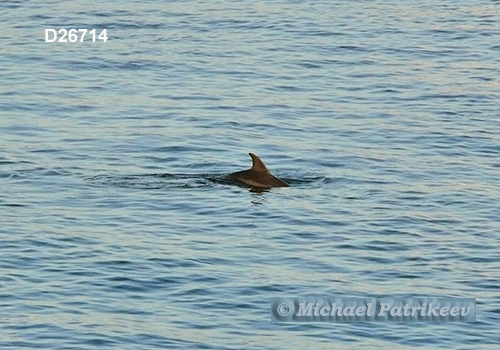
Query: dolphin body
258, 176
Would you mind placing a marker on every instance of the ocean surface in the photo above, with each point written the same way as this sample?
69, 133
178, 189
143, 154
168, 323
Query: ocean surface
119, 230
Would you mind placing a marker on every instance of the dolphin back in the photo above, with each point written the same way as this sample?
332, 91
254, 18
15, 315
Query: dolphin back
258, 176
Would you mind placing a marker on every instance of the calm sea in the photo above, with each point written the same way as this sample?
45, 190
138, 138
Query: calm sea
118, 230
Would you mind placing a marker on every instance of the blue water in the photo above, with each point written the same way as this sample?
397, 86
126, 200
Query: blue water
118, 230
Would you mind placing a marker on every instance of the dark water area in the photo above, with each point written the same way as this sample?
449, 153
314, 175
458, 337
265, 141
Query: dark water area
121, 230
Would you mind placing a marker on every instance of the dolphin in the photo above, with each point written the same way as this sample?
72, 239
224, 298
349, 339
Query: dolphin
258, 176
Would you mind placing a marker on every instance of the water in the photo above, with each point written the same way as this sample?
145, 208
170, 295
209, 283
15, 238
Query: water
118, 230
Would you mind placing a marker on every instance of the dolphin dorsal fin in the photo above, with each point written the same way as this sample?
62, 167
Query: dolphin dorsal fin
258, 165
